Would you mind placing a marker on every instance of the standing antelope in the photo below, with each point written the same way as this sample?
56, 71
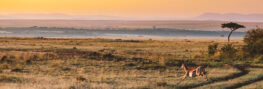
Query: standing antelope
199, 71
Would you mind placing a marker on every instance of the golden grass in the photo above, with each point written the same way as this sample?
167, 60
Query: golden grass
58, 63
253, 74
100, 74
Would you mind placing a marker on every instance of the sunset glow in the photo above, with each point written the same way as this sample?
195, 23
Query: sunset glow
135, 8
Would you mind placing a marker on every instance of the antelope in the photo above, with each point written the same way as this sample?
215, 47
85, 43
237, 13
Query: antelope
199, 71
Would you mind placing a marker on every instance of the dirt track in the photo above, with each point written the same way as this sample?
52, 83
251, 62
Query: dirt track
243, 71
248, 82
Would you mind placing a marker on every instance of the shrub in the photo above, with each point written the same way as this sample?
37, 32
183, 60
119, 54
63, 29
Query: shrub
48, 56
10, 79
253, 35
228, 51
254, 42
212, 49
74, 48
4, 66
259, 59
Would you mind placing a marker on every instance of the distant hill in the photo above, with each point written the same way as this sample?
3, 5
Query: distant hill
74, 32
231, 17
60, 17
207, 16
205, 22
127, 24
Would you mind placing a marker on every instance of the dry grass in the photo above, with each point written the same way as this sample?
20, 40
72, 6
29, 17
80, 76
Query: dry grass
40, 63
99, 74
251, 76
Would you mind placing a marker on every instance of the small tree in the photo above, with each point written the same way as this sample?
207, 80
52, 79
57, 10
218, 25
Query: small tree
232, 26
253, 36
212, 49
254, 42
228, 51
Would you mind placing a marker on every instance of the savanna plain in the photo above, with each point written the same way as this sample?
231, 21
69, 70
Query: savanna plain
99, 63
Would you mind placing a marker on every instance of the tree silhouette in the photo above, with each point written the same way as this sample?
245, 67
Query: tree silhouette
232, 26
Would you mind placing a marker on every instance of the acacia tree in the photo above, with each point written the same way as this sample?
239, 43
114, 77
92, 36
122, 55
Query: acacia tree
232, 26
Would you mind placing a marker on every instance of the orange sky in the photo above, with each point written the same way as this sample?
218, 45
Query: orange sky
135, 8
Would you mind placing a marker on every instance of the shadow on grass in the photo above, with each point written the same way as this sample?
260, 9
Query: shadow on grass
213, 80
238, 85
8, 79
248, 82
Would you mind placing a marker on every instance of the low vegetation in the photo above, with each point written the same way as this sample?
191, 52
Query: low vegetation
59, 63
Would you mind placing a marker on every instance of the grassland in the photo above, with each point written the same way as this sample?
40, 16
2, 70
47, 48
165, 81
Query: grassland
59, 63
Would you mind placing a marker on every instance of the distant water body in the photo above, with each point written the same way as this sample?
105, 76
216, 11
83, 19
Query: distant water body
120, 33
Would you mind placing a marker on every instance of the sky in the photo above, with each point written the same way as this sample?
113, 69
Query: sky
131, 8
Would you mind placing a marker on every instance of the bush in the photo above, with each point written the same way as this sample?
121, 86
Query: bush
10, 79
228, 51
259, 59
212, 49
254, 42
253, 35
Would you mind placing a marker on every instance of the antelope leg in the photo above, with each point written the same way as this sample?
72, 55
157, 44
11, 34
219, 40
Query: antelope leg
182, 79
205, 76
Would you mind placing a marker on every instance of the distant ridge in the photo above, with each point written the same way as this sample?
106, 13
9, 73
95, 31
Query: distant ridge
231, 17
60, 17
206, 16
76, 32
